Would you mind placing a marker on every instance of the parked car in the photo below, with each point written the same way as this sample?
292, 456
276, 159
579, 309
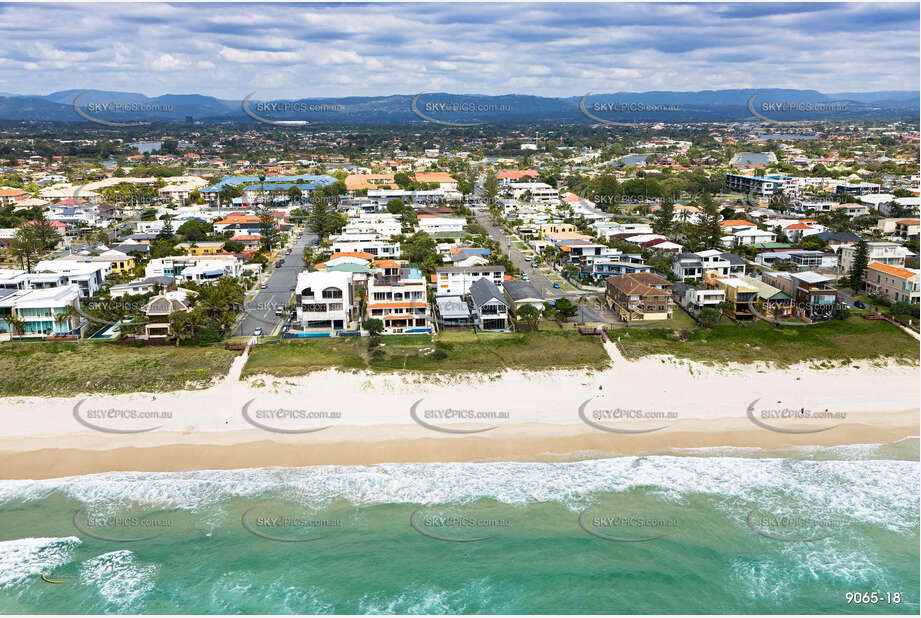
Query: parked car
257, 332
263, 285
278, 312
860, 304
556, 286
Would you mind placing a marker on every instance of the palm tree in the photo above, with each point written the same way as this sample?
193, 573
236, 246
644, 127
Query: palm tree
17, 325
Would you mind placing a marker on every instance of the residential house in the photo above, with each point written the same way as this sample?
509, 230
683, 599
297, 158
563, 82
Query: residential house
325, 303
640, 297
814, 298
774, 303
520, 293
432, 224
398, 297
375, 244
740, 294
457, 280
141, 286
202, 247
51, 311
452, 313
490, 310
692, 266
158, 310
696, 298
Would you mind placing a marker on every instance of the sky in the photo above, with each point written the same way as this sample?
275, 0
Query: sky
341, 49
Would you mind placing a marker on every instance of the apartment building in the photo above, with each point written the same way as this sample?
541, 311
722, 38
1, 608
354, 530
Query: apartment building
456, 280
883, 252
892, 282
398, 296
325, 303
640, 297
759, 185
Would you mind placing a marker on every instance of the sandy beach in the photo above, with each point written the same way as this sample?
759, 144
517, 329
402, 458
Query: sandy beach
654, 405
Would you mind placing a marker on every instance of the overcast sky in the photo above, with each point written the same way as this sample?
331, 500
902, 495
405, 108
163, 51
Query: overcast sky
303, 50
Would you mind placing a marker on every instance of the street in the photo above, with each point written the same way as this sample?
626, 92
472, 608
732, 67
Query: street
260, 309
540, 281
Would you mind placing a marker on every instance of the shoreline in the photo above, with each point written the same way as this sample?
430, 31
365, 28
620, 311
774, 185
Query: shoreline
45, 458
365, 418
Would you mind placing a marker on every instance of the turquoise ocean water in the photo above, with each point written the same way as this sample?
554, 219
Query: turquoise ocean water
716, 531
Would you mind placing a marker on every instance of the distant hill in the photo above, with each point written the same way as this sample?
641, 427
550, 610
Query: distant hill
673, 106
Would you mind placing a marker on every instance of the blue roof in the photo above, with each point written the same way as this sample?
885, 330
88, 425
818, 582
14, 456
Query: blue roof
274, 182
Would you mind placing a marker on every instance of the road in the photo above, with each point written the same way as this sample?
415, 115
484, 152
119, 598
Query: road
260, 309
540, 281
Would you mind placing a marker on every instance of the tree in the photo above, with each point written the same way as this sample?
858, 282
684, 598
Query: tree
859, 266
374, 326
267, 227
709, 317
295, 194
17, 325
530, 316
234, 246
565, 308
662, 223
166, 232
181, 326
491, 186
26, 246
708, 231
419, 247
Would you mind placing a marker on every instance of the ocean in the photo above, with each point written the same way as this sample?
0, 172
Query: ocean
700, 531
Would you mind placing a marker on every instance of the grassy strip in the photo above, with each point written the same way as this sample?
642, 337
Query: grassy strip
836, 340
71, 368
464, 352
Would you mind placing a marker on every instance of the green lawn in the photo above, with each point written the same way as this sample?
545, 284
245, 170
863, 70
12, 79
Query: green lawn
852, 339
463, 352
71, 368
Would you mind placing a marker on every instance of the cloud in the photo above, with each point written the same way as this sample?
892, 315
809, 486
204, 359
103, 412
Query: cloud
298, 50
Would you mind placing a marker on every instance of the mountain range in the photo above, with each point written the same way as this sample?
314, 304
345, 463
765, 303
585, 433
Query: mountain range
667, 106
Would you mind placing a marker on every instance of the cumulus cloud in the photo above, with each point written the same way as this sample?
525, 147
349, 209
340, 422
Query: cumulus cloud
292, 50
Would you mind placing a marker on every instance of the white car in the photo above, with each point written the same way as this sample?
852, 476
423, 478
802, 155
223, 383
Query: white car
257, 332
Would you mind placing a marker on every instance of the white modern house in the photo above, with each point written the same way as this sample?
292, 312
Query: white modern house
456, 281
377, 245
44, 311
194, 267
432, 224
325, 303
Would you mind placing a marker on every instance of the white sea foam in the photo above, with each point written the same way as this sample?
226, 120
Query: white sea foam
877, 492
22, 558
120, 578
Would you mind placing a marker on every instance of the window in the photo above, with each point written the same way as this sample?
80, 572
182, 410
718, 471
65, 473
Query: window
332, 293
